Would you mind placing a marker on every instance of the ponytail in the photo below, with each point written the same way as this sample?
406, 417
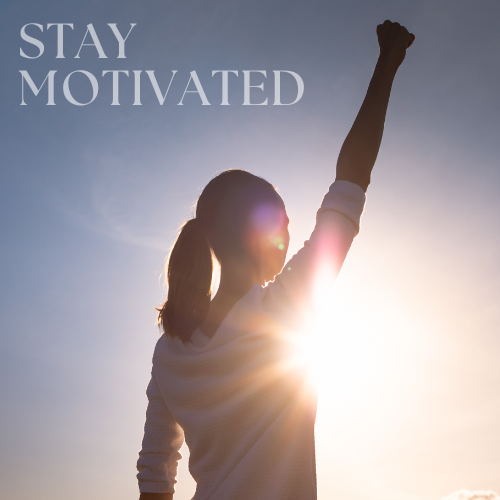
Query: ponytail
189, 278
220, 225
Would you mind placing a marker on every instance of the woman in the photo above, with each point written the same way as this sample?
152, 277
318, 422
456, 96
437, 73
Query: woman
224, 377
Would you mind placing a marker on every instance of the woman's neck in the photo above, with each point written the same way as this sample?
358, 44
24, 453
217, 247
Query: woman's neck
237, 277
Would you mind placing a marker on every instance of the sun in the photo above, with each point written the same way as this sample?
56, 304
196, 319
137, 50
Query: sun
354, 347
338, 344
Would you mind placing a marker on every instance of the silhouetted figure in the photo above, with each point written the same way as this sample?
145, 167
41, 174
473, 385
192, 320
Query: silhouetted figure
224, 374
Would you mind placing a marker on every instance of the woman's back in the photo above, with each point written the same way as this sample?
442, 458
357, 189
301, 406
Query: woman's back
247, 413
243, 398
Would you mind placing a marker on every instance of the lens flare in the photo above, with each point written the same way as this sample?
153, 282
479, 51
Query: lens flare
268, 218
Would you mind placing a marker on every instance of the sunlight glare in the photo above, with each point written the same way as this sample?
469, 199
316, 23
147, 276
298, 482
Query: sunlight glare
360, 349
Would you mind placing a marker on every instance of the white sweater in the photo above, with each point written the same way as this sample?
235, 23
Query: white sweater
240, 400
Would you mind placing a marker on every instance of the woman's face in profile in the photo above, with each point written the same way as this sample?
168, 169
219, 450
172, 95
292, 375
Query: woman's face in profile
270, 236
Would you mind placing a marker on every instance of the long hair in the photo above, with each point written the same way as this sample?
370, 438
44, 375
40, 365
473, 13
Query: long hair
219, 228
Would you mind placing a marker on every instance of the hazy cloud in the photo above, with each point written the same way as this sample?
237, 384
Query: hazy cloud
473, 495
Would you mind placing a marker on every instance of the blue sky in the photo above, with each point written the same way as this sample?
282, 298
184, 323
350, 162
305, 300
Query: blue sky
91, 197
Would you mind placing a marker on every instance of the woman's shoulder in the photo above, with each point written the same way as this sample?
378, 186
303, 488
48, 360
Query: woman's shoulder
253, 314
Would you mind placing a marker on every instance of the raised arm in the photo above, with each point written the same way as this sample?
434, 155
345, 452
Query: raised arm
361, 146
338, 218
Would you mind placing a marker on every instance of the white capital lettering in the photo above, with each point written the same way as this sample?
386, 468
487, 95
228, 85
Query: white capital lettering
121, 40
225, 91
31, 40
152, 77
60, 37
247, 86
199, 90
277, 88
96, 44
50, 75
137, 87
116, 90
93, 82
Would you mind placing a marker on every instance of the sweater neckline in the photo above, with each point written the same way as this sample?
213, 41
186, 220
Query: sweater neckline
206, 339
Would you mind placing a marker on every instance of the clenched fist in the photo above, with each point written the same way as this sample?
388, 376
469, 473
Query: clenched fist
393, 40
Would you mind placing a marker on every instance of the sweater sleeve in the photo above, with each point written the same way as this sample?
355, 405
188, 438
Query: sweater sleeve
163, 437
322, 256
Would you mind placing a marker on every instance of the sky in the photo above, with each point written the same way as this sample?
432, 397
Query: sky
91, 198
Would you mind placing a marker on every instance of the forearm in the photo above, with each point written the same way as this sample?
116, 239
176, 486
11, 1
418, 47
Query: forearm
360, 149
159, 455
156, 496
